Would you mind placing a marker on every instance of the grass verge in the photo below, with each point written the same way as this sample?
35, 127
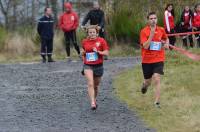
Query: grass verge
60, 54
180, 95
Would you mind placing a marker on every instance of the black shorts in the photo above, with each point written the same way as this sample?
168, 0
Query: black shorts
98, 70
150, 69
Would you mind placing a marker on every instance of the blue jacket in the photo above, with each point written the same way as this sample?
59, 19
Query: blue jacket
45, 27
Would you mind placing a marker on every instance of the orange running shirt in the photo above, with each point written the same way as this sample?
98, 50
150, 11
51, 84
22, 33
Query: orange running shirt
153, 56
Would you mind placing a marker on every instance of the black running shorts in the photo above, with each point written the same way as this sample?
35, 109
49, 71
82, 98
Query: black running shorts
150, 68
98, 70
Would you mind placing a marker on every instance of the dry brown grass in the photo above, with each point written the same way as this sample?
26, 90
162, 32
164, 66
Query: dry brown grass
18, 45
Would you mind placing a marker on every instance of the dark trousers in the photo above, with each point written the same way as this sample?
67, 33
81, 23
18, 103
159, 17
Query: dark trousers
185, 37
197, 36
71, 37
46, 46
172, 39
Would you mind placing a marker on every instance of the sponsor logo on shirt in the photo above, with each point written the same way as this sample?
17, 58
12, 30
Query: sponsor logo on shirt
72, 18
97, 44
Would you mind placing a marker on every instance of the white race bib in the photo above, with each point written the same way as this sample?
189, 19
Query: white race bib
155, 45
93, 56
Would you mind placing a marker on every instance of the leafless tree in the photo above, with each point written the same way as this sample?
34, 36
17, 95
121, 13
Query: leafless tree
54, 4
5, 6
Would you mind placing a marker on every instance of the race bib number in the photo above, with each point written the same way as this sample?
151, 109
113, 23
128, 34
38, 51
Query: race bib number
155, 45
93, 56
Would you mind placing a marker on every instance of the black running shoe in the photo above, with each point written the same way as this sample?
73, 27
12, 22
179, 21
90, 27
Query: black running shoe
157, 104
144, 88
94, 107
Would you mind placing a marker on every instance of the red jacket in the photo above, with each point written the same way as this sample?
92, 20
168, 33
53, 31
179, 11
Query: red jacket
69, 20
168, 21
196, 20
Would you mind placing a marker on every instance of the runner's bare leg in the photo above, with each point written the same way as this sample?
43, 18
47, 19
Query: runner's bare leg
90, 82
156, 79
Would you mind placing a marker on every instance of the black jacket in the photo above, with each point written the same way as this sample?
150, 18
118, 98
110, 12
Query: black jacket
45, 27
96, 17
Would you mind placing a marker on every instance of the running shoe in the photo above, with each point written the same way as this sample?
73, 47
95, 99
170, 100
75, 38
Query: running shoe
157, 104
144, 88
94, 106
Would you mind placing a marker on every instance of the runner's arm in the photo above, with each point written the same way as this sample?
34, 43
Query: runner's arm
147, 43
166, 44
105, 52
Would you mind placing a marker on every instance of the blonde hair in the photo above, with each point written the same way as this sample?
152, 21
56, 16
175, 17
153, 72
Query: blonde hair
96, 27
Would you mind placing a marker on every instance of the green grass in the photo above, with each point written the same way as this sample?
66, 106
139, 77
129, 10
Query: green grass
180, 95
119, 50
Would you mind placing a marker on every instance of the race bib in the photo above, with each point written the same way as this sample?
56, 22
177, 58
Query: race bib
155, 45
93, 56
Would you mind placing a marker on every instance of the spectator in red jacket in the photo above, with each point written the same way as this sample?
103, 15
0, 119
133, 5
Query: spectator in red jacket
69, 22
196, 22
169, 22
186, 25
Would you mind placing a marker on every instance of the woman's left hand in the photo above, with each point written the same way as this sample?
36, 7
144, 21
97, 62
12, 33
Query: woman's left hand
95, 49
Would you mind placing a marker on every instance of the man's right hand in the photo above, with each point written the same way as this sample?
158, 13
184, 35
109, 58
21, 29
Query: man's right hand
152, 32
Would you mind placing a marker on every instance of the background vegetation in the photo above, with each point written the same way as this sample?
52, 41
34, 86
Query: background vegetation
124, 20
129, 16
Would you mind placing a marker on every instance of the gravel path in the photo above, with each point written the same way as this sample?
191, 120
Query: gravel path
53, 98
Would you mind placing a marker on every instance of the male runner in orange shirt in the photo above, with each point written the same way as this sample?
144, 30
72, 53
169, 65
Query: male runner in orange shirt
153, 40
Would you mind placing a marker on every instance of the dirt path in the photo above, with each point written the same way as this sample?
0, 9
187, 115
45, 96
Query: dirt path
53, 98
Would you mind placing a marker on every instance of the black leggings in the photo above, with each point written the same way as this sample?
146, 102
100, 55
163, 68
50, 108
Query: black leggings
71, 36
172, 39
